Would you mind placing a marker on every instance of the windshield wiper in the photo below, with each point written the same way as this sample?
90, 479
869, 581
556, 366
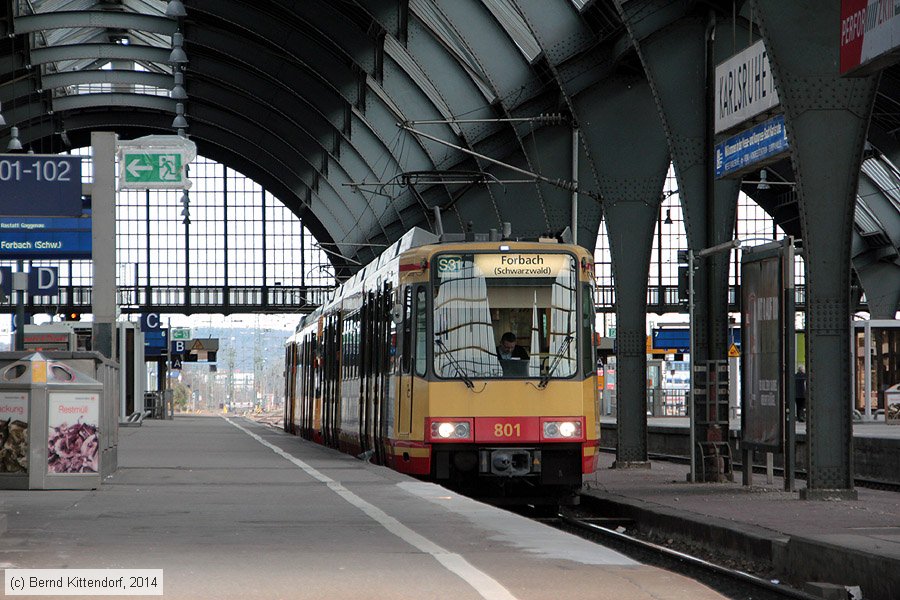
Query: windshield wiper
545, 378
456, 365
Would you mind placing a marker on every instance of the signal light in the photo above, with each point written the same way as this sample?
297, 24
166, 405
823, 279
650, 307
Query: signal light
73, 316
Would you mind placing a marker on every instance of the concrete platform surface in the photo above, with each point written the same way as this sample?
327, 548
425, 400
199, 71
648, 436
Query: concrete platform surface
842, 542
232, 509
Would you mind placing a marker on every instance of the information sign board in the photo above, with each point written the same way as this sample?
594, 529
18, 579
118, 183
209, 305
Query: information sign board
40, 185
752, 148
36, 238
155, 342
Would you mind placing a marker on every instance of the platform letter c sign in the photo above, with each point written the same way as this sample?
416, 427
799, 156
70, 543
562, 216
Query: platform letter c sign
150, 322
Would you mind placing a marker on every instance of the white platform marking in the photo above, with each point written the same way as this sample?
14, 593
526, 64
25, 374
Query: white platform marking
486, 586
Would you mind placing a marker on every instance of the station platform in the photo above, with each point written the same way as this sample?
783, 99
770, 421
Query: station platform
229, 508
876, 444
849, 543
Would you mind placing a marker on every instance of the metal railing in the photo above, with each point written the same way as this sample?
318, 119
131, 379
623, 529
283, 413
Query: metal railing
184, 299
664, 298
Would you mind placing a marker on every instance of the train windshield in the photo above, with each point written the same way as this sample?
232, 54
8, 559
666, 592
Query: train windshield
505, 315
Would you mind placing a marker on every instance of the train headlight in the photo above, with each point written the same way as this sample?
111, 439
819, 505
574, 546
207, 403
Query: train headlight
451, 430
562, 430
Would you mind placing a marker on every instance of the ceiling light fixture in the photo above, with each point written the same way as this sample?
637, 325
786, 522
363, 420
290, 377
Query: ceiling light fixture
179, 122
175, 9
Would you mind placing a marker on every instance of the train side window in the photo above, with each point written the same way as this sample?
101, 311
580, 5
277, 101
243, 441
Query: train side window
406, 348
421, 334
588, 317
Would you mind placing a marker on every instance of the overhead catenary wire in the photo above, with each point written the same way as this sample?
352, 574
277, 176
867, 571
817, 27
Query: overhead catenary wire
570, 186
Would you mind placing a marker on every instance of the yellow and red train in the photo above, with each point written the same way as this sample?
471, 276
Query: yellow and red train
406, 364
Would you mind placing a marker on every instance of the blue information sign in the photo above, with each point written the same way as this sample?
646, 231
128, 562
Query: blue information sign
760, 143
40, 185
155, 342
44, 237
680, 339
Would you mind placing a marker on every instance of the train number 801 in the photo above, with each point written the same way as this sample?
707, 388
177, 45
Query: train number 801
507, 430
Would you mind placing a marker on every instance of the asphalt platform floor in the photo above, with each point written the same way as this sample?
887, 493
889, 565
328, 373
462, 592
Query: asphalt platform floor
850, 543
230, 509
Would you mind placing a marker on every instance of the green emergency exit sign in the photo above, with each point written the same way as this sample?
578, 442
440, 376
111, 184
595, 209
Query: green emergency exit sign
149, 169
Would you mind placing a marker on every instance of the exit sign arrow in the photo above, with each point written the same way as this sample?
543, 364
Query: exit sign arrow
135, 167
155, 162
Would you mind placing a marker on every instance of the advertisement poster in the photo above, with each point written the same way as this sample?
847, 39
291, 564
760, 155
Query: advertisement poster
13, 432
763, 336
73, 445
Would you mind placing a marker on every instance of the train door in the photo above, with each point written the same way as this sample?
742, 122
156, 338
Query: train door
405, 349
312, 385
365, 374
331, 392
382, 366
289, 392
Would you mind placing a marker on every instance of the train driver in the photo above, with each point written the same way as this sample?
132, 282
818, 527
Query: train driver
509, 349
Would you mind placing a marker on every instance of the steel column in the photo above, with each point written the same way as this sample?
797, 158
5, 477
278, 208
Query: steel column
827, 117
621, 130
103, 213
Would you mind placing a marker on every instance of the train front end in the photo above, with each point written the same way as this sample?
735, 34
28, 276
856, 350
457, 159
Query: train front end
504, 371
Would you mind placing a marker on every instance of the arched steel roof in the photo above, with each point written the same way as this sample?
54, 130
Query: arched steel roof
305, 96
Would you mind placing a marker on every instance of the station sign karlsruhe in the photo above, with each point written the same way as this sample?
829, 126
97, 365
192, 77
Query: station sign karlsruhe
38, 185
752, 148
36, 238
745, 87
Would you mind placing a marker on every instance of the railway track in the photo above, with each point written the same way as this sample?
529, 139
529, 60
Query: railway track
730, 582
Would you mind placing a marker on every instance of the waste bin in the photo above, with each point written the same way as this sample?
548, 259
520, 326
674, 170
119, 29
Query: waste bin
62, 409
892, 405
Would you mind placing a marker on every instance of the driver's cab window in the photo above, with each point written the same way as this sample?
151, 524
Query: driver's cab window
505, 315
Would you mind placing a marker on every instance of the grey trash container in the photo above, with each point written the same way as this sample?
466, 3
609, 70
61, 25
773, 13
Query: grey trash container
53, 419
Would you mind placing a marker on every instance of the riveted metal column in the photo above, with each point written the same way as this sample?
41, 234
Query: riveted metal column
672, 49
673, 43
826, 117
621, 131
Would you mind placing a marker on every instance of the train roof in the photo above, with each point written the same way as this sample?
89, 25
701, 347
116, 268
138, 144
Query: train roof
426, 243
